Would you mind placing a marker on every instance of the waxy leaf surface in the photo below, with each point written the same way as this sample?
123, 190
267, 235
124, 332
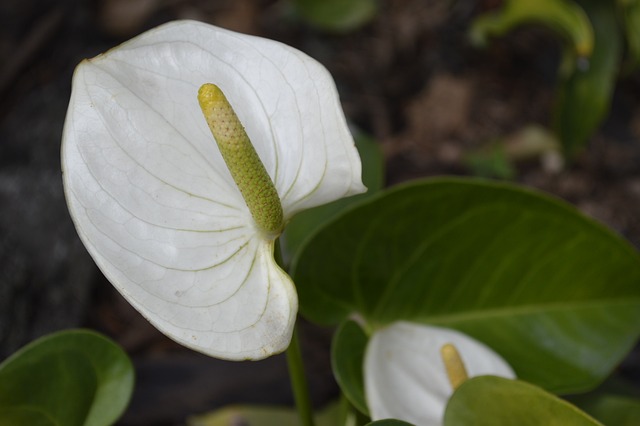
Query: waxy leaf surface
556, 294
495, 401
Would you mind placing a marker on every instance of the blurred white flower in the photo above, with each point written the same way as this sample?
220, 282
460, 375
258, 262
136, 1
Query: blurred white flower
154, 202
405, 376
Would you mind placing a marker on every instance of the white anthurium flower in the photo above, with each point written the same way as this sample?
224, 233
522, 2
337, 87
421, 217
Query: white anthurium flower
156, 205
406, 378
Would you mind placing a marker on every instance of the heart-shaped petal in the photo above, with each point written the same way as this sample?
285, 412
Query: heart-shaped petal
154, 202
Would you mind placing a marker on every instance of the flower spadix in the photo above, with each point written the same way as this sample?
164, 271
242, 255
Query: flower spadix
155, 203
411, 370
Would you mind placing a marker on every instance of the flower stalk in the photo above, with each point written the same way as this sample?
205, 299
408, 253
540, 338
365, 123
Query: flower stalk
299, 382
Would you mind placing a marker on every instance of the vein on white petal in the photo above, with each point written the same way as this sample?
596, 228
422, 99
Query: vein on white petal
184, 140
93, 198
212, 334
237, 76
115, 257
284, 192
240, 242
242, 42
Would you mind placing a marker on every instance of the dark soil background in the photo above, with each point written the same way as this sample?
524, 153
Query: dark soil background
409, 78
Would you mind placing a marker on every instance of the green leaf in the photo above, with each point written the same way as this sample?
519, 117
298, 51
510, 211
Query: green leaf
584, 96
553, 292
615, 403
563, 16
304, 224
24, 416
614, 410
253, 415
389, 422
337, 15
631, 19
75, 377
347, 359
495, 401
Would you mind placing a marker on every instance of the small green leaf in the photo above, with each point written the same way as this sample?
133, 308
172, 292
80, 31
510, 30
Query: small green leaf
337, 15
554, 293
584, 96
495, 401
347, 358
75, 377
562, 16
304, 224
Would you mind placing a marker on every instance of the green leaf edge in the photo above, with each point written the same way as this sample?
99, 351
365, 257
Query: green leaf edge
77, 332
336, 366
525, 385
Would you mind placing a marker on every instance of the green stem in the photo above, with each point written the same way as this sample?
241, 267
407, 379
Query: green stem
296, 366
299, 381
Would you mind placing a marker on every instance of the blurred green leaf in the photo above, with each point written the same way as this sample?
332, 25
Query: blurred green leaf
563, 16
496, 401
75, 377
553, 292
304, 224
337, 15
631, 19
254, 415
614, 410
584, 96
24, 416
347, 358
615, 403
389, 422
491, 162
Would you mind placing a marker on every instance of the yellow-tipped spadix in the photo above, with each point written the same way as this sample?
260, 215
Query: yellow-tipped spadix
243, 161
456, 371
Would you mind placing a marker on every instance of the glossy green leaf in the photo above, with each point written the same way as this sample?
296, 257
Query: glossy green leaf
553, 292
495, 401
75, 377
304, 224
584, 96
347, 358
337, 15
562, 16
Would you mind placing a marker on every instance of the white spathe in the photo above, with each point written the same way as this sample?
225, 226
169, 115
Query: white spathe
154, 202
405, 377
